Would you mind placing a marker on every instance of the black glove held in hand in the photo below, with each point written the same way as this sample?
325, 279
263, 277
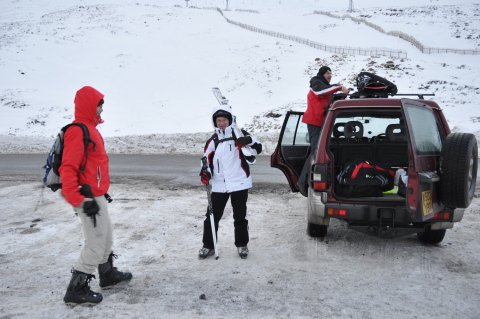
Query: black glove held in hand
90, 208
243, 141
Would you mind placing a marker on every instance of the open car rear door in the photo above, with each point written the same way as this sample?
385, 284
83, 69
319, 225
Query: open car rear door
293, 148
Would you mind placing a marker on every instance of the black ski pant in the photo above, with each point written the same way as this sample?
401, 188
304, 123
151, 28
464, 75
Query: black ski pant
239, 205
314, 135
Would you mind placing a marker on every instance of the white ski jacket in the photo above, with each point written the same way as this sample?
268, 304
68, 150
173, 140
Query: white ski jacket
229, 170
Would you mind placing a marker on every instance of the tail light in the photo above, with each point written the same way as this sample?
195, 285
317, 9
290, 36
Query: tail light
443, 216
320, 186
336, 212
319, 177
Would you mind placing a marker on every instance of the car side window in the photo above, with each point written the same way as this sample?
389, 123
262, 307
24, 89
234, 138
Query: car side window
427, 139
296, 132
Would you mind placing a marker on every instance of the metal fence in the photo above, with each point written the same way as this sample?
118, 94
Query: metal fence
401, 35
317, 45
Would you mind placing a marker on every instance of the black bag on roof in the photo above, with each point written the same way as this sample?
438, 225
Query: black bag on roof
370, 85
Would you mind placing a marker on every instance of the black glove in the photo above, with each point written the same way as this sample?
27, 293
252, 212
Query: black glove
205, 177
90, 208
243, 141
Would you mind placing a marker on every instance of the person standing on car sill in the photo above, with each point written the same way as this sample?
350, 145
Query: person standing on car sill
314, 116
85, 182
229, 174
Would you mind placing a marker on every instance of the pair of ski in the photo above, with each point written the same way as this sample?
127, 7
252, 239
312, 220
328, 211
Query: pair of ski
247, 151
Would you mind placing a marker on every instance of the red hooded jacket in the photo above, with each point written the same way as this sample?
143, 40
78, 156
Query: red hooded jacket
315, 113
96, 173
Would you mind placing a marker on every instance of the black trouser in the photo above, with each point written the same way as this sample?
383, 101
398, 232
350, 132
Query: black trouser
239, 205
314, 134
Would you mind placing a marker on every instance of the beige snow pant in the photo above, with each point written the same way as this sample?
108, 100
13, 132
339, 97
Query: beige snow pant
98, 240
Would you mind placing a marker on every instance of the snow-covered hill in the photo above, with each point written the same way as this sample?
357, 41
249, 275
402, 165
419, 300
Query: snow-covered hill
156, 64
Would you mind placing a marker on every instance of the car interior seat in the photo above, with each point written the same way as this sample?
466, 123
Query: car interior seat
353, 130
396, 133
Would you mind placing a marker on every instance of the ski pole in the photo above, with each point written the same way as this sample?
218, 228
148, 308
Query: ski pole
210, 208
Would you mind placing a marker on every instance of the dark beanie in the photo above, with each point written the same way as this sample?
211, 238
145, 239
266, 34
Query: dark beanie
100, 103
323, 70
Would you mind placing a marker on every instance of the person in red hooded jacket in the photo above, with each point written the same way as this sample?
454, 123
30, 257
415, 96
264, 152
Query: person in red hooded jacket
85, 191
314, 116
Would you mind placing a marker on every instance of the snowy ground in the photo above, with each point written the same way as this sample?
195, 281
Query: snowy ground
287, 275
156, 64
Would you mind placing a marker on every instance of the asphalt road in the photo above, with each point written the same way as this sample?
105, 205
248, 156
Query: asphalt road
171, 170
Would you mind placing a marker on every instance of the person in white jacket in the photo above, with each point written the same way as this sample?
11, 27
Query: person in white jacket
229, 175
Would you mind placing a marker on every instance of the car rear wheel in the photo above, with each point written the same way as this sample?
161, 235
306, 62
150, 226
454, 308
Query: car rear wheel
432, 236
459, 163
314, 230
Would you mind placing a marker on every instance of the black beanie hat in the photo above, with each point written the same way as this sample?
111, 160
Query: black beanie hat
100, 103
222, 113
323, 70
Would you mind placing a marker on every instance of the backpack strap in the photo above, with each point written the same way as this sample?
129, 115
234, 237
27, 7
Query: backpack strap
86, 141
216, 141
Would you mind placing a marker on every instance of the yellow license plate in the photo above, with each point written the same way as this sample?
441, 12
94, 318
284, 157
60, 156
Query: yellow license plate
427, 203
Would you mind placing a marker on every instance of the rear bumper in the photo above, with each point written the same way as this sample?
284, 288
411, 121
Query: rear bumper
385, 221
458, 214
370, 213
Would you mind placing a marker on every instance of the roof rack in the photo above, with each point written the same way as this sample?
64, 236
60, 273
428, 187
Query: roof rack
341, 96
420, 95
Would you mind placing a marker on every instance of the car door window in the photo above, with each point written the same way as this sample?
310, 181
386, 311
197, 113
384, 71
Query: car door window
423, 124
295, 132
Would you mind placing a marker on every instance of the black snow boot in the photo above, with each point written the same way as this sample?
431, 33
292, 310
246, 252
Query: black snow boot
78, 291
110, 276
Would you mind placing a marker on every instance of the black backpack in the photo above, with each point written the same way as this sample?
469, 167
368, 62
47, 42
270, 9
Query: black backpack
54, 159
370, 85
364, 178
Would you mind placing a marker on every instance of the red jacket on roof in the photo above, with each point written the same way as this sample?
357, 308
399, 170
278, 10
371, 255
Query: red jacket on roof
315, 113
96, 172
